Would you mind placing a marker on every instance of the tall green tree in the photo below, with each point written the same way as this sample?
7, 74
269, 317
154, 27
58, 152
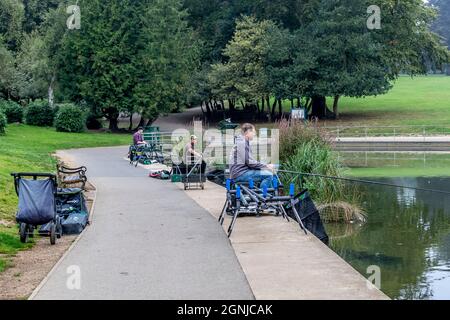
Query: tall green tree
166, 61
9, 76
98, 62
33, 64
339, 57
12, 16
128, 56
246, 57
35, 11
442, 23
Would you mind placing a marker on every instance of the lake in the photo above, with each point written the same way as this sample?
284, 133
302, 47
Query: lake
407, 233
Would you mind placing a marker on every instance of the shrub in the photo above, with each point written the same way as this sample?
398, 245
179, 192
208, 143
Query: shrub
39, 113
70, 118
2, 122
93, 123
12, 110
306, 149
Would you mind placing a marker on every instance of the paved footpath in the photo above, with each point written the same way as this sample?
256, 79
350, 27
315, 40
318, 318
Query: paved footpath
148, 240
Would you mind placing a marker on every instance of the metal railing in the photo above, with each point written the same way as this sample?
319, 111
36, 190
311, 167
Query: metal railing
387, 131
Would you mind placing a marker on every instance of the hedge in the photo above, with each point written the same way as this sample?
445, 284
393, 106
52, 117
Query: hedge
39, 113
70, 118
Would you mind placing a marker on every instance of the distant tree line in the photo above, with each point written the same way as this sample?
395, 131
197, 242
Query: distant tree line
158, 56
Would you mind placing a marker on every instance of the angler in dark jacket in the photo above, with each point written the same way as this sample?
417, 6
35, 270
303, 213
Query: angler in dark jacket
243, 166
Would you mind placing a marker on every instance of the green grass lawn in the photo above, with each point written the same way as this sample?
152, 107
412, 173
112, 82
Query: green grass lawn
397, 172
421, 100
390, 164
9, 245
29, 149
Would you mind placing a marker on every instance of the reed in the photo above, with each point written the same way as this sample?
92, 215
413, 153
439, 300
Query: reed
306, 148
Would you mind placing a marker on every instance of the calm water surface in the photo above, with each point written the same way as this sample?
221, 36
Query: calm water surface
407, 235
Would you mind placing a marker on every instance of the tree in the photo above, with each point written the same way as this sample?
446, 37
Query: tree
167, 59
54, 32
442, 23
257, 61
98, 62
35, 11
246, 55
10, 78
214, 22
11, 20
339, 57
33, 65
408, 44
128, 56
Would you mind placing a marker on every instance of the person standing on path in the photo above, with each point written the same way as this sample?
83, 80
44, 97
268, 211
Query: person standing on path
191, 157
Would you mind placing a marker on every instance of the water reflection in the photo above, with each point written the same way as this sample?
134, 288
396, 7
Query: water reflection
407, 234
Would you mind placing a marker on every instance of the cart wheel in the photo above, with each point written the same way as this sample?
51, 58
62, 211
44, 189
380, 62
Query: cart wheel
53, 234
30, 232
23, 231
203, 186
59, 231
185, 187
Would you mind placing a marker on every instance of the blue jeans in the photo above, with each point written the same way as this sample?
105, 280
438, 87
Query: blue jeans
263, 176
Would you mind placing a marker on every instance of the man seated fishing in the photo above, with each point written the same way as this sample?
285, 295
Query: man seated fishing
138, 137
243, 166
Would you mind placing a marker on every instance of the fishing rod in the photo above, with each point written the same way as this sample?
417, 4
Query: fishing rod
363, 181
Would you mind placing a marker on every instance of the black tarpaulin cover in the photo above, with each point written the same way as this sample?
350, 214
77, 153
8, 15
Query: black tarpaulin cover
36, 201
74, 223
310, 217
70, 200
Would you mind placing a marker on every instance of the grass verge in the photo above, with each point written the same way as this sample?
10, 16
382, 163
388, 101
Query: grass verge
29, 149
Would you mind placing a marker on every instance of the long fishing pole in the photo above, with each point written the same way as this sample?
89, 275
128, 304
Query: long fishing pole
363, 181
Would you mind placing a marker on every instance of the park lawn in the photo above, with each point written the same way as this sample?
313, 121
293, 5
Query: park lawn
423, 100
397, 172
29, 149
10, 245
390, 164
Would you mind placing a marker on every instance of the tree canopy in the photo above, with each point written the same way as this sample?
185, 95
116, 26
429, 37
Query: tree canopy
442, 23
156, 56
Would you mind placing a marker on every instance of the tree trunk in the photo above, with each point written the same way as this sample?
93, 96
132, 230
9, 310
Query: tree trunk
113, 124
130, 127
231, 106
263, 105
280, 108
141, 123
208, 110
335, 106
51, 97
150, 122
308, 104
318, 107
272, 113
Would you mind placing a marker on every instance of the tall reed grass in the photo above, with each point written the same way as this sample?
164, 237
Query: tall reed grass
306, 148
